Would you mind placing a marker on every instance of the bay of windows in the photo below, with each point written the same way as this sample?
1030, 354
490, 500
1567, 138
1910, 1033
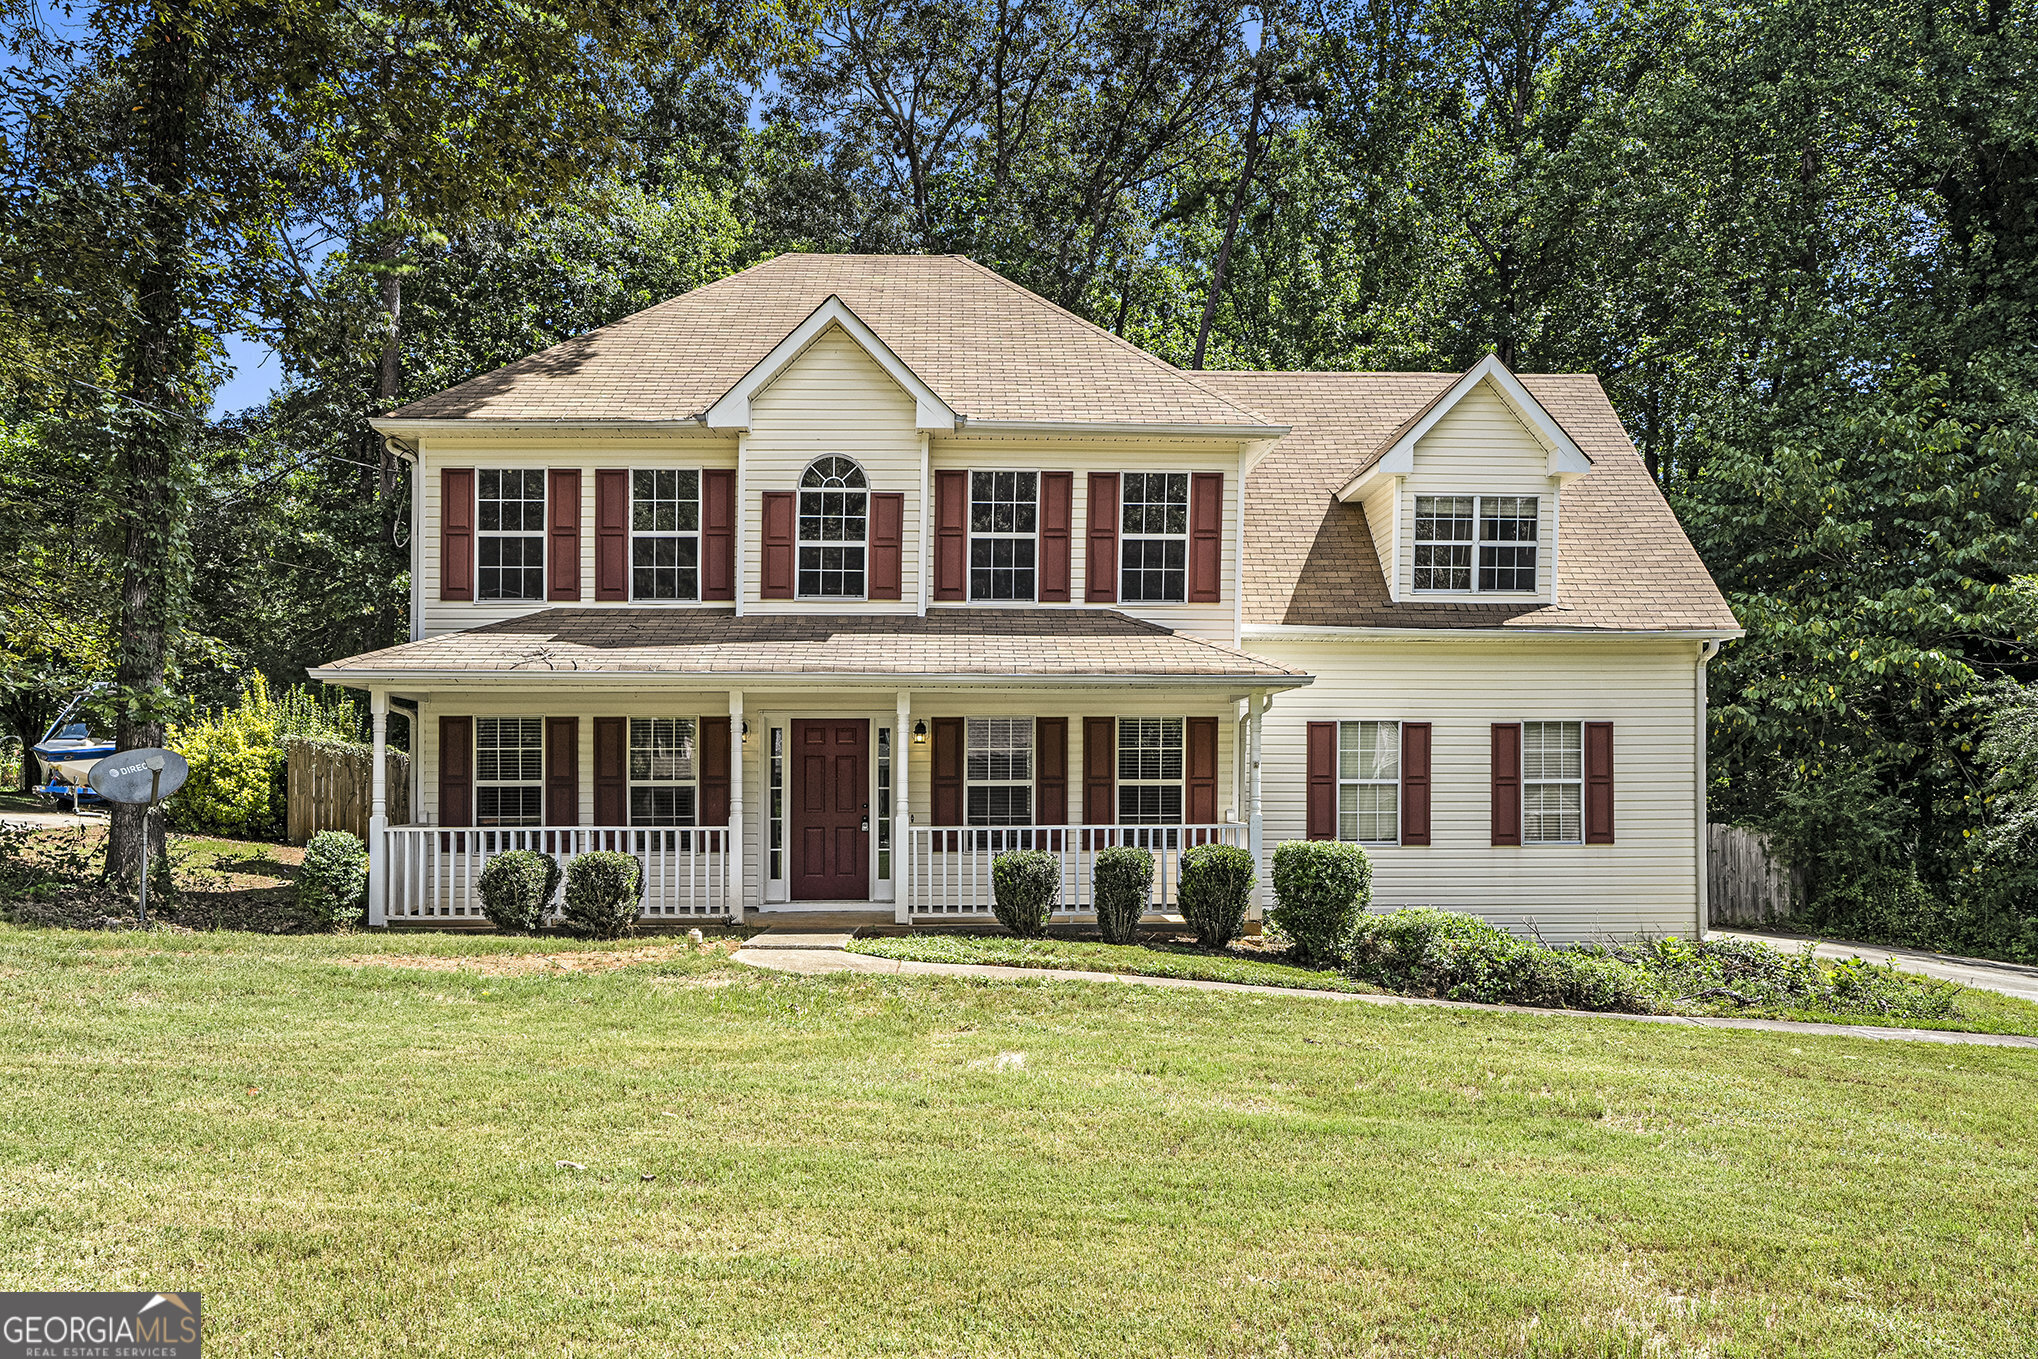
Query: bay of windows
510, 533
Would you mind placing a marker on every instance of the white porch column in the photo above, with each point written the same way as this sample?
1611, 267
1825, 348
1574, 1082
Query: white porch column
902, 818
737, 883
1255, 706
378, 808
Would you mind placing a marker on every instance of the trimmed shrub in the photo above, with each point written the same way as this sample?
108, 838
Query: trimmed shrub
1216, 887
1321, 888
517, 888
1025, 885
1122, 883
332, 887
601, 895
1457, 957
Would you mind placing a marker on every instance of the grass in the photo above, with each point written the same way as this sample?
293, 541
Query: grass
352, 1145
1138, 960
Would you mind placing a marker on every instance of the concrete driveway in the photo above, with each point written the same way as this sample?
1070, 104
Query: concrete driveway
26, 820
2008, 978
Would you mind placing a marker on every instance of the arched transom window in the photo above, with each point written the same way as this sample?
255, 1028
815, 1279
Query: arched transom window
834, 529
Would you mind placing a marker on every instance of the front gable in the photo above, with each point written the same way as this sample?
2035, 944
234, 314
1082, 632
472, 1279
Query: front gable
832, 318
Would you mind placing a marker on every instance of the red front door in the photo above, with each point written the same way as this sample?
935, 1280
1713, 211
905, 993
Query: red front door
831, 811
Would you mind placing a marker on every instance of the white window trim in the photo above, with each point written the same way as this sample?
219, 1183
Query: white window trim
700, 562
971, 536
1477, 542
541, 534
480, 783
1121, 783
800, 545
1395, 782
1023, 724
633, 783
1578, 783
1184, 537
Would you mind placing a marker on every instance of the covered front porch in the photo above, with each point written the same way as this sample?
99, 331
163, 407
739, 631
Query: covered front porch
799, 791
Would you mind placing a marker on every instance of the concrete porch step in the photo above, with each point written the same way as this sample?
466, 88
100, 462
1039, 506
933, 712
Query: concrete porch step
779, 937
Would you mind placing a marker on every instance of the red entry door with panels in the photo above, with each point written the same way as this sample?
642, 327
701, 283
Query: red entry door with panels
831, 811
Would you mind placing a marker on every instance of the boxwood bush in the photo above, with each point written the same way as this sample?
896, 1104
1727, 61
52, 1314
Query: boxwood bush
1121, 883
601, 895
332, 886
1025, 885
1321, 888
517, 888
1216, 887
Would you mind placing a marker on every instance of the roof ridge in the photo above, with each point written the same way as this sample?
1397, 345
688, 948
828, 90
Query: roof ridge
1119, 340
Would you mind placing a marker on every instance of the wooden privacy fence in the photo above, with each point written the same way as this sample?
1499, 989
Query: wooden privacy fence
1746, 883
330, 788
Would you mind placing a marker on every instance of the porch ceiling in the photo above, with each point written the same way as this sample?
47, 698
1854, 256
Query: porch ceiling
948, 646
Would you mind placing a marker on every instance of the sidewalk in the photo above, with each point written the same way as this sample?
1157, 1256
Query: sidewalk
1983, 974
811, 962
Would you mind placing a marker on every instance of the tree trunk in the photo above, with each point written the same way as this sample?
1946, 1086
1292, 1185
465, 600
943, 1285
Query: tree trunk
1239, 198
389, 373
161, 375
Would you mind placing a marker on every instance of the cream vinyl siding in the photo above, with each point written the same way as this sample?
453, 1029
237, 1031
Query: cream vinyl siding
1478, 448
587, 455
1645, 882
1082, 457
835, 399
1380, 501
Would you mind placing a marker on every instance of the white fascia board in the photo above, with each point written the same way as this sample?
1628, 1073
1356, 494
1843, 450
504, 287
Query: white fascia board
477, 426
1566, 459
732, 409
637, 679
1287, 632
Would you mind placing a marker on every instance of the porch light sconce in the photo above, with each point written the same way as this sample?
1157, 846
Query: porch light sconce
920, 732
746, 730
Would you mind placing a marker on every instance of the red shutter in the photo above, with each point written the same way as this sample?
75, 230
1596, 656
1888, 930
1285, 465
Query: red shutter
611, 771
887, 544
1599, 783
562, 535
1321, 796
456, 533
456, 771
1057, 523
1206, 537
562, 771
1050, 771
1100, 569
1506, 783
718, 534
1200, 738
947, 772
714, 757
951, 535
1415, 783
611, 534
1100, 771
776, 562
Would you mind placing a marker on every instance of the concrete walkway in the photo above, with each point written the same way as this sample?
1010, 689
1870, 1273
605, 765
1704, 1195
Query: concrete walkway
1982, 974
813, 961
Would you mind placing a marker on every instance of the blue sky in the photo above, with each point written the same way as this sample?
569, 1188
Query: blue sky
257, 373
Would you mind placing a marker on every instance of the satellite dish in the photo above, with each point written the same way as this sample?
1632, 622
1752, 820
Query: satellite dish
148, 775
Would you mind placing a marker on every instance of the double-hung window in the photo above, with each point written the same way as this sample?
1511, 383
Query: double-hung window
1150, 771
1499, 531
663, 771
510, 533
834, 524
1369, 782
1153, 542
665, 534
1004, 519
998, 769
509, 771
1552, 782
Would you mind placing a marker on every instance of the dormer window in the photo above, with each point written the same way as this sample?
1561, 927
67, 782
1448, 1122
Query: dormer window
1503, 530
834, 527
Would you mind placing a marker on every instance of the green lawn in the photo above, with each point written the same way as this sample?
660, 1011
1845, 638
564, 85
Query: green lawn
353, 1157
1076, 955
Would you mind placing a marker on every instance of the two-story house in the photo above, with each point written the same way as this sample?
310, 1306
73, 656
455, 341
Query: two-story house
820, 585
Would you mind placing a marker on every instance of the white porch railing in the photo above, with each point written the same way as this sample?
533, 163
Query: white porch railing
949, 867
434, 872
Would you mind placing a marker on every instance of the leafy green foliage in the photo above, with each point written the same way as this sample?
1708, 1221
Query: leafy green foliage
1749, 974
1214, 892
601, 895
1121, 885
1025, 886
237, 784
1321, 887
517, 888
1457, 957
332, 887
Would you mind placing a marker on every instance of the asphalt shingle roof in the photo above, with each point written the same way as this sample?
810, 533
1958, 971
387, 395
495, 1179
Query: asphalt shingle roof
649, 640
